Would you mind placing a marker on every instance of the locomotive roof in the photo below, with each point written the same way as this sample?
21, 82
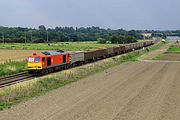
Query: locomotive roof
54, 52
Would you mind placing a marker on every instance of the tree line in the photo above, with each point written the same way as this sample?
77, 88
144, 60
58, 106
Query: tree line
62, 34
118, 40
71, 34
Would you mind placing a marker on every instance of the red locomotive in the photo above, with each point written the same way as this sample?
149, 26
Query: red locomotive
45, 62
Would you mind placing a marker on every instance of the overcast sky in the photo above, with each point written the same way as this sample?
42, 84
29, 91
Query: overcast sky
126, 14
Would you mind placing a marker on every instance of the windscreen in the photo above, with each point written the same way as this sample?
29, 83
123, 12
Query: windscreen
37, 59
31, 60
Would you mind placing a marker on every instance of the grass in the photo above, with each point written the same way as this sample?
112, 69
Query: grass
11, 67
173, 50
21, 92
158, 58
158, 46
69, 46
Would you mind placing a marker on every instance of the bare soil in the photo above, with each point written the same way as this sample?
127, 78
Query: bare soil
170, 56
131, 91
15, 55
176, 45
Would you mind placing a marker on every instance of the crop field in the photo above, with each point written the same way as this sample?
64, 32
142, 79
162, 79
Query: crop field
174, 48
15, 55
172, 53
69, 46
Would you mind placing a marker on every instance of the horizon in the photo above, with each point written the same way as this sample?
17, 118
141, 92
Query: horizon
88, 27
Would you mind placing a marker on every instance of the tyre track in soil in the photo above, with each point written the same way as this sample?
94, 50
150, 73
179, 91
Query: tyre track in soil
112, 97
147, 103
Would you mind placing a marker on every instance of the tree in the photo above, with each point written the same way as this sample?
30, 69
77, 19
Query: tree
42, 28
122, 39
101, 40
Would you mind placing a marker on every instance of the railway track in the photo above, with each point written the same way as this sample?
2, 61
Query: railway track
13, 79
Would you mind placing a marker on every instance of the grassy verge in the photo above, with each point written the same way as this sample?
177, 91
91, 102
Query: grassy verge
26, 90
173, 50
158, 46
11, 67
160, 57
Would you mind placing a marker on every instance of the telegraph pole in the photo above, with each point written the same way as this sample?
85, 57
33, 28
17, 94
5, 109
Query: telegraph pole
31, 35
25, 37
3, 37
47, 37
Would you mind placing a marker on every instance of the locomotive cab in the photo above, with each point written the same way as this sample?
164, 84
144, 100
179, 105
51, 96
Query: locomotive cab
47, 62
35, 63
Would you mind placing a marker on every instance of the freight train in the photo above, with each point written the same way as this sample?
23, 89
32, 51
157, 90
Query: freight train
46, 62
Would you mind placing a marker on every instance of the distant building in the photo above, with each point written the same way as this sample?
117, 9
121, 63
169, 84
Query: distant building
147, 34
173, 38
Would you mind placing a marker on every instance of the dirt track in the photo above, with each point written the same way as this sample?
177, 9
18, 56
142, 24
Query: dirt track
131, 91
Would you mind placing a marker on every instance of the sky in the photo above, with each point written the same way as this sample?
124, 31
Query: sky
114, 14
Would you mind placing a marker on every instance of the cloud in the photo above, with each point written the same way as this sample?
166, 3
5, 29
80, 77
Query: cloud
128, 14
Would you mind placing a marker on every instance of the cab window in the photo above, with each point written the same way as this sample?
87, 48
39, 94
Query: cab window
31, 60
37, 59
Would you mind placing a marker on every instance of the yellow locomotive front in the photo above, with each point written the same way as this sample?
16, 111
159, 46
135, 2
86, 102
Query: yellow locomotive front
34, 64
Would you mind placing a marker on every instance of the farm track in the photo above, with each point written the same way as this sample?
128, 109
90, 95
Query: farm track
13, 79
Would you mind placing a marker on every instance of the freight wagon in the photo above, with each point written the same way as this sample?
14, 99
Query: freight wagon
118, 50
110, 52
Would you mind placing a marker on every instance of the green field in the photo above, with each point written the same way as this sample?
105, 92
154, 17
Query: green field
69, 46
173, 50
